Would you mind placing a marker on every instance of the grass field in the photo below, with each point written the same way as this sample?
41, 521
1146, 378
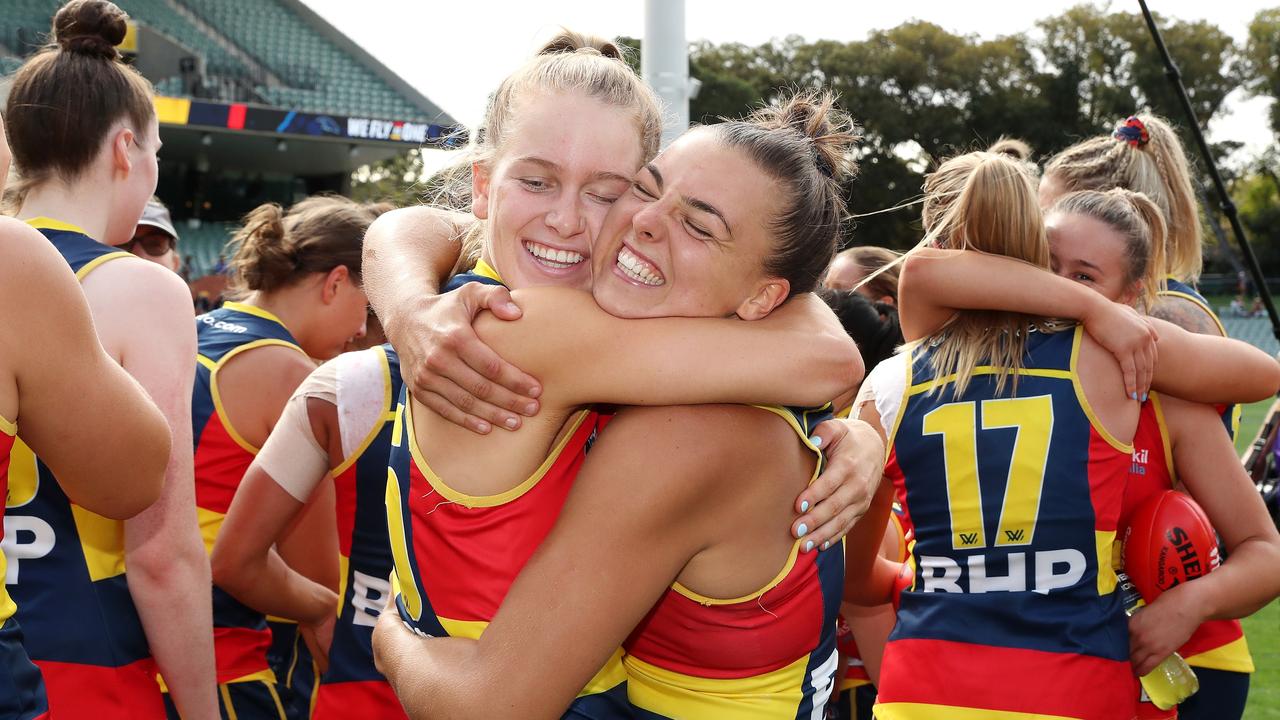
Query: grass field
1263, 629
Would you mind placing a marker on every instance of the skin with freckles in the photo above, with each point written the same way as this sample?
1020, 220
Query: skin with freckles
546, 194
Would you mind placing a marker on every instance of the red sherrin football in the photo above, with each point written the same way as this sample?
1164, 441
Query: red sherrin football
1169, 540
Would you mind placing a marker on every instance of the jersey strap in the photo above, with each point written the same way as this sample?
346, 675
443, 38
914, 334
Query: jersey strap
1179, 289
82, 253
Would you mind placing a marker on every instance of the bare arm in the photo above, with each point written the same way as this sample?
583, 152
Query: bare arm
1212, 369
68, 386
277, 550
870, 577
168, 570
246, 564
589, 355
1206, 463
408, 253
936, 283
564, 617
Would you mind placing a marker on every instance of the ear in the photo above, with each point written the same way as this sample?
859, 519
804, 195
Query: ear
887, 300
333, 283
480, 190
120, 143
769, 295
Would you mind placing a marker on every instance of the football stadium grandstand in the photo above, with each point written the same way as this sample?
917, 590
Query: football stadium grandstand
258, 100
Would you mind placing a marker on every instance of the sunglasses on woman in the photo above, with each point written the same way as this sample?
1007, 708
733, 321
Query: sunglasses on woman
154, 242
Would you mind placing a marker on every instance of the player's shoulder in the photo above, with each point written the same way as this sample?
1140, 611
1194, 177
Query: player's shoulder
141, 287
1186, 312
727, 435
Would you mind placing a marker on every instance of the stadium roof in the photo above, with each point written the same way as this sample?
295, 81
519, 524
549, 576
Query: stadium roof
262, 72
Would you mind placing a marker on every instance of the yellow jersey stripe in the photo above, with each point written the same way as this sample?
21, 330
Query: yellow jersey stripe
920, 711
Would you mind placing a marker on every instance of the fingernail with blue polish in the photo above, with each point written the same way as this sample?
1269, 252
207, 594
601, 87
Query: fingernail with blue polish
808, 546
1133, 396
802, 530
817, 441
1144, 397
826, 544
804, 506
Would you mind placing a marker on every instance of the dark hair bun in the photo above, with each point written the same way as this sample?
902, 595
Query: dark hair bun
90, 27
568, 41
814, 115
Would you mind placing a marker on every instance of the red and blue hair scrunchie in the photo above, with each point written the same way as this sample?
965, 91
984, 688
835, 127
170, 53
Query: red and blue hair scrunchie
1132, 131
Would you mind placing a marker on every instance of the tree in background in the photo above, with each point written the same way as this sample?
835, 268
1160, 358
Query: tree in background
395, 180
922, 94
1262, 60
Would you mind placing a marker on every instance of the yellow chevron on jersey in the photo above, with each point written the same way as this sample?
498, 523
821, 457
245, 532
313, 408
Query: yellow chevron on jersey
103, 542
676, 695
1232, 657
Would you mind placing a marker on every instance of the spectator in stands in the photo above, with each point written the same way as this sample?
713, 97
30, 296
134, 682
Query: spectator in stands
155, 239
1237, 307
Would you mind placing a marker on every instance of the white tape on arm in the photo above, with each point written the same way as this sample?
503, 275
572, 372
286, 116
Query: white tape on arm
291, 455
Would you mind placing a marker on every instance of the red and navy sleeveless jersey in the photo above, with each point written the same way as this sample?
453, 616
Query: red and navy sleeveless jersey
1177, 288
456, 555
22, 695
66, 570
768, 654
1217, 644
8, 434
352, 685
1014, 500
222, 456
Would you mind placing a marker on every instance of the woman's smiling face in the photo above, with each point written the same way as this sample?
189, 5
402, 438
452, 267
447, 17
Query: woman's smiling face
690, 237
546, 193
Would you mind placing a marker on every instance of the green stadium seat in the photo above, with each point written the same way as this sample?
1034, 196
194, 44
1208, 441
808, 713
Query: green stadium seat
321, 76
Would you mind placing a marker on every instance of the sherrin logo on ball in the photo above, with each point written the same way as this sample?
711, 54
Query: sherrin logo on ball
1169, 541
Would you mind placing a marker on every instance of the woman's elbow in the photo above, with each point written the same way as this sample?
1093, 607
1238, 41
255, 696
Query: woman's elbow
843, 370
225, 567
1271, 373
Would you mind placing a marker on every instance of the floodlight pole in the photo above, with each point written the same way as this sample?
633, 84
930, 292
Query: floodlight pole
1224, 200
664, 63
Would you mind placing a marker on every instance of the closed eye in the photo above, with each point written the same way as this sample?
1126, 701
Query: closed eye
697, 230
642, 192
534, 184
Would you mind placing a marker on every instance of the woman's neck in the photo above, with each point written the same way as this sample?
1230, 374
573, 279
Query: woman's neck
292, 305
78, 203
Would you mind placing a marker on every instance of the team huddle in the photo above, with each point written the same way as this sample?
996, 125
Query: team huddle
640, 446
